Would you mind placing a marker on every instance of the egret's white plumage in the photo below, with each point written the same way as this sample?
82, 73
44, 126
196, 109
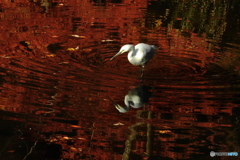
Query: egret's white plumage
139, 54
135, 98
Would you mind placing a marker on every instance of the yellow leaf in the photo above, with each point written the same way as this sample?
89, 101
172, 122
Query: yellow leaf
164, 131
51, 55
27, 42
71, 49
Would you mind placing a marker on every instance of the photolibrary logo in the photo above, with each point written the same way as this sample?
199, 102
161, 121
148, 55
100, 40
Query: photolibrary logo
212, 153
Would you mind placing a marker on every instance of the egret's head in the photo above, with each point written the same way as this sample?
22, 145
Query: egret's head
125, 48
121, 109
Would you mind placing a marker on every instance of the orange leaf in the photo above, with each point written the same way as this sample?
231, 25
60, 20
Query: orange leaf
75, 126
73, 149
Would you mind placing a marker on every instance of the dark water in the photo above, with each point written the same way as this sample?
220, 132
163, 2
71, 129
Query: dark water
58, 87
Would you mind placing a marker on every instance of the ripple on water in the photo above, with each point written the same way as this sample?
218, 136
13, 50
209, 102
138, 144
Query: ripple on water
73, 96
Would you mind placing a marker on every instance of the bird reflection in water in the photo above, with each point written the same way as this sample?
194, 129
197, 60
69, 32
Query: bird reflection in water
135, 98
139, 54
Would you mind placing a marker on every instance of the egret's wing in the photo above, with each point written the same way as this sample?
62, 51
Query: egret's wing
147, 50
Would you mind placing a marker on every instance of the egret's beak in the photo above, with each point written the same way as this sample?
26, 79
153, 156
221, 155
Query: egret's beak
121, 109
118, 107
120, 52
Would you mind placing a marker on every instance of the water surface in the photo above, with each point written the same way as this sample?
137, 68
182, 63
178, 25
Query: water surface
57, 83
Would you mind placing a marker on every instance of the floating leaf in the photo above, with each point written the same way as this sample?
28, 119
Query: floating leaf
77, 36
73, 149
4, 56
50, 55
164, 131
107, 40
67, 138
75, 126
71, 49
118, 124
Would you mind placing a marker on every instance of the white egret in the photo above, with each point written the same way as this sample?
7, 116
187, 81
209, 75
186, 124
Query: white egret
139, 54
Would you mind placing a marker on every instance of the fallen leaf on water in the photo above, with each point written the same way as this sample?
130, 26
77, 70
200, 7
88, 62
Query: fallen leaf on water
75, 126
73, 149
50, 55
4, 56
118, 124
65, 137
77, 36
73, 49
54, 36
27, 42
107, 40
164, 131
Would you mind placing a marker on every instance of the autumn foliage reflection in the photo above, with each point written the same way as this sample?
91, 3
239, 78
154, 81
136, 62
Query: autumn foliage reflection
56, 77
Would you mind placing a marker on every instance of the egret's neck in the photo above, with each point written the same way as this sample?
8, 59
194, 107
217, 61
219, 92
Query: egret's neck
135, 57
132, 52
127, 108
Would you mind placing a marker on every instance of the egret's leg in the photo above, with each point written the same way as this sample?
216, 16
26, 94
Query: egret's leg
142, 70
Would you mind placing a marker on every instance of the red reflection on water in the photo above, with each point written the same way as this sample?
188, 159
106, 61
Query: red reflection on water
56, 78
